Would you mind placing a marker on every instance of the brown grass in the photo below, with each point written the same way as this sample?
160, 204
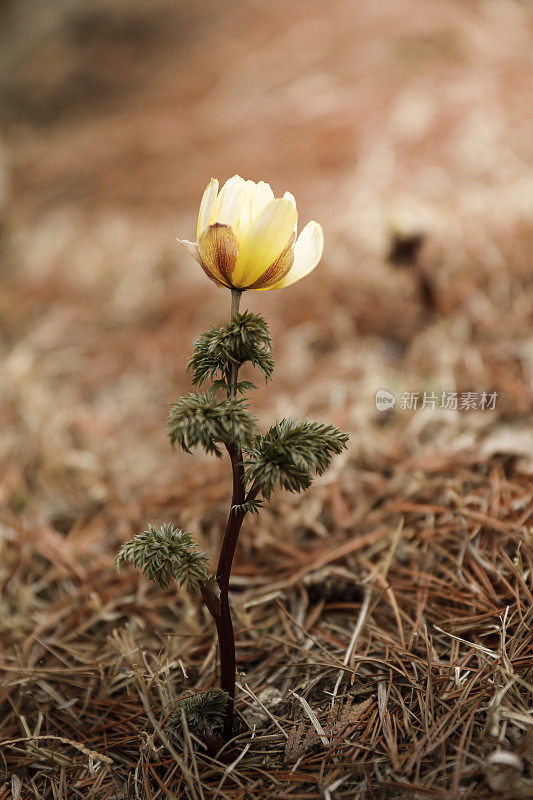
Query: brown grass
408, 636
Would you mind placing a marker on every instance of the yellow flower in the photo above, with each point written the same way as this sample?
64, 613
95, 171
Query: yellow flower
247, 238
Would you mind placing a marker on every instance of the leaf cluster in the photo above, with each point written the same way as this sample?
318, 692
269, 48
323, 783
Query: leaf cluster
202, 712
290, 454
202, 420
165, 554
245, 338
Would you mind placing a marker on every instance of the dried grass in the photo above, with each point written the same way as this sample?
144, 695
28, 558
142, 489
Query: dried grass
388, 660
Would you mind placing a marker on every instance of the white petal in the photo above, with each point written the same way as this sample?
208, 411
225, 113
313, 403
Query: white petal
289, 196
245, 219
262, 196
268, 236
230, 202
207, 205
191, 248
307, 253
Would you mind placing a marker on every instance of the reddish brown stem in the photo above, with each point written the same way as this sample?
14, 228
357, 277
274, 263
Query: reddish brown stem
226, 639
220, 607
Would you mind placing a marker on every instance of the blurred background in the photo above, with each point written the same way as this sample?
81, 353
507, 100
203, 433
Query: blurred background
402, 126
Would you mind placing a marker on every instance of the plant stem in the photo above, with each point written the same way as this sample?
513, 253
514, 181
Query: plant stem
235, 300
220, 607
226, 638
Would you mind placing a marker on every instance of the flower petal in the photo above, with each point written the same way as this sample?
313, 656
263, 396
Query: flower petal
278, 269
259, 196
307, 253
218, 248
290, 196
207, 205
268, 236
230, 202
262, 196
192, 249
245, 218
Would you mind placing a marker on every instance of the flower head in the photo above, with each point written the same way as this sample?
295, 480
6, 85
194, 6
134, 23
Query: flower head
247, 237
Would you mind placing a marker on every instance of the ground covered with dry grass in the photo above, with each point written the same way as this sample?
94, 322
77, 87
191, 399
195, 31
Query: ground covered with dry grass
383, 619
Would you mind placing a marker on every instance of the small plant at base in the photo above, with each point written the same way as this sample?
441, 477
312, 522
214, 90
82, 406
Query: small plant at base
204, 714
246, 241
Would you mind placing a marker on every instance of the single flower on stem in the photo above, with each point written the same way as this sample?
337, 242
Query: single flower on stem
247, 238
246, 241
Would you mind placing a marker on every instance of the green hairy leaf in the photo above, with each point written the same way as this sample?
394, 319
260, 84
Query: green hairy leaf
165, 554
245, 338
202, 420
291, 453
251, 506
245, 386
